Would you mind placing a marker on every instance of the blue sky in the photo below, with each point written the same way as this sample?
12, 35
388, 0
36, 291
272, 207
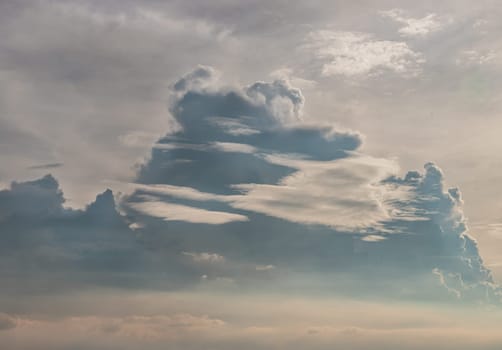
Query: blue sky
257, 174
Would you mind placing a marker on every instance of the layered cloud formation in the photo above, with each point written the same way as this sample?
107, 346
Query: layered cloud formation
249, 214
245, 193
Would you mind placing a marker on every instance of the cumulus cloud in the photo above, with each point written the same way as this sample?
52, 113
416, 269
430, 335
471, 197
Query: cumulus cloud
281, 160
276, 204
296, 178
455, 255
39, 199
246, 197
355, 54
259, 119
282, 100
41, 239
199, 78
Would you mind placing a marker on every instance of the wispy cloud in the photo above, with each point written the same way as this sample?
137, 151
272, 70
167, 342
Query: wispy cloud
416, 27
477, 57
205, 257
46, 166
177, 212
355, 54
350, 187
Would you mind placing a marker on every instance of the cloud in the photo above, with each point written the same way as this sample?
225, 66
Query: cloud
234, 147
120, 75
108, 319
283, 101
349, 187
355, 54
259, 119
457, 262
46, 166
416, 27
39, 199
175, 212
291, 158
373, 238
199, 78
42, 240
205, 257
84, 83
287, 178
476, 58
265, 267
290, 205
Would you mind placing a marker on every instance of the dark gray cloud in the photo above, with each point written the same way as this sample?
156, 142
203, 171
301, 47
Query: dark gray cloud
263, 115
46, 247
40, 199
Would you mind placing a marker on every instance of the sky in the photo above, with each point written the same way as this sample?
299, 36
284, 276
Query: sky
253, 174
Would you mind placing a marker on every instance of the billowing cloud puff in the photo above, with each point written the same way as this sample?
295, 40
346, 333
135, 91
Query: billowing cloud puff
453, 255
263, 117
39, 199
46, 246
238, 143
199, 78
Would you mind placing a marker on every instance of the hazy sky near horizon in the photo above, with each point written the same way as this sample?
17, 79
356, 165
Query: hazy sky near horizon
252, 147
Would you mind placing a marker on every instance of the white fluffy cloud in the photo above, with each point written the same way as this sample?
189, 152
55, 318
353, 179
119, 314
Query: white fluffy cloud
355, 54
477, 57
416, 27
